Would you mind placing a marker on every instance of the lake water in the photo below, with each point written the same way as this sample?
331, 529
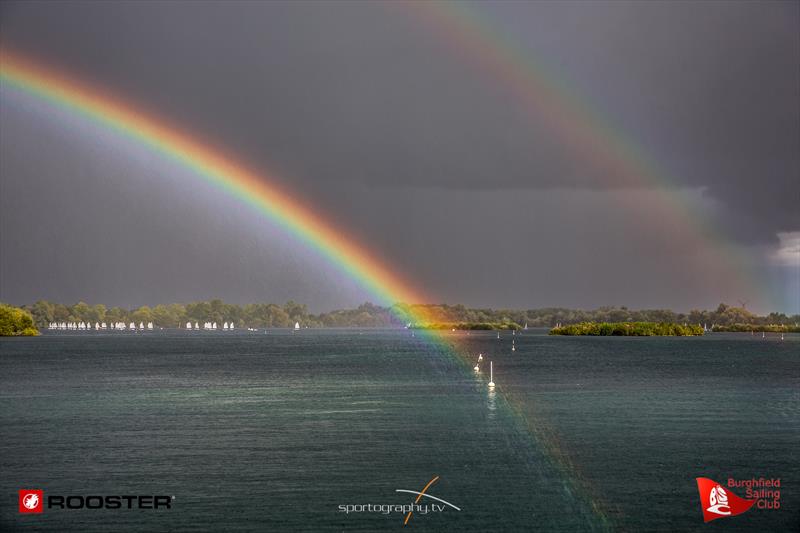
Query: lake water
277, 431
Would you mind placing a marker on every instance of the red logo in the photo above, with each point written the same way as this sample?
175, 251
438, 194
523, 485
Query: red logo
718, 502
30, 501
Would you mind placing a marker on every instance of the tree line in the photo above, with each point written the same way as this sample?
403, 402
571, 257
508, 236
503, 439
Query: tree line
629, 329
272, 315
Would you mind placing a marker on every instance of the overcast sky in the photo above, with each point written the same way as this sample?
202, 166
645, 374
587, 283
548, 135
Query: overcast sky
372, 114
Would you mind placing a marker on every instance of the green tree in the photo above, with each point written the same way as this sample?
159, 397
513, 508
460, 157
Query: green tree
16, 321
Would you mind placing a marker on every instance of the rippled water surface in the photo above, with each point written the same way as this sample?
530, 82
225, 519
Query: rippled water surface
277, 431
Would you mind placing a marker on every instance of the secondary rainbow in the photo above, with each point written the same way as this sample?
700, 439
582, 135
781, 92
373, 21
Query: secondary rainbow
618, 159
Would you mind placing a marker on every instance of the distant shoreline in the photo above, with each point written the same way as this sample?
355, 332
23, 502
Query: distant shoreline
50, 315
629, 329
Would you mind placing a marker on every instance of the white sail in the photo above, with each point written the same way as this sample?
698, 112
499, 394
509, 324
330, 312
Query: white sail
149, 325
297, 325
188, 325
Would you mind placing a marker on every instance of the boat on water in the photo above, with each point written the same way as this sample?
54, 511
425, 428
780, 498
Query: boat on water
296, 326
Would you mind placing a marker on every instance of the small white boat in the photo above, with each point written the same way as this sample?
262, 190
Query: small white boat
296, 326
513, 347
149, 325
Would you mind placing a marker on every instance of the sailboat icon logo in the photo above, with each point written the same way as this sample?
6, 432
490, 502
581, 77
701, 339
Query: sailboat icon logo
718, 499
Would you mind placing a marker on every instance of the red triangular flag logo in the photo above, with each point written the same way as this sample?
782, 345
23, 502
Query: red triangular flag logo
718, 502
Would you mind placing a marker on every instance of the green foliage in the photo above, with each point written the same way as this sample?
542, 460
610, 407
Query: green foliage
767, 328
628, 329
16, 321
437, 316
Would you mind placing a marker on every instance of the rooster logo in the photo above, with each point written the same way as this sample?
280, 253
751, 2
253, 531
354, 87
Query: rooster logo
31, 501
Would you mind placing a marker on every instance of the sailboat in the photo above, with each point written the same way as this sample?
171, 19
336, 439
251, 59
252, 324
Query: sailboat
498, 334
526, 326
491, 375
296, 326
513, 346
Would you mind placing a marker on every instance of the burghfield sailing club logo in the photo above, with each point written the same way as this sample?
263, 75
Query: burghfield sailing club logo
717, 502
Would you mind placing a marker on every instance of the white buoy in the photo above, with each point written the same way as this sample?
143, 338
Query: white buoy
491, 375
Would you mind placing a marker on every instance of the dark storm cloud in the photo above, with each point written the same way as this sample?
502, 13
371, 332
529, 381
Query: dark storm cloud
348, 100
330, 91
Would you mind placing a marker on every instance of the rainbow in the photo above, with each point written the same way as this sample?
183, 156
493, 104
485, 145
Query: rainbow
618, 159
254, 189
